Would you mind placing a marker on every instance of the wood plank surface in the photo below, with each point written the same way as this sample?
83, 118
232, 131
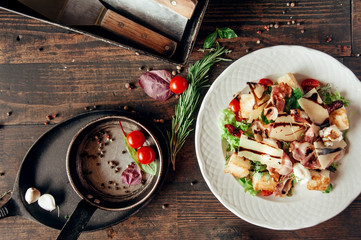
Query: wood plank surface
48, 70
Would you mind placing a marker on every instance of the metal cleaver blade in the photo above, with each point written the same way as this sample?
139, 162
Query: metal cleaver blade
153, 15
94, 13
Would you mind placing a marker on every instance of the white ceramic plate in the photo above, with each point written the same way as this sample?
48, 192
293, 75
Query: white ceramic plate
305, 208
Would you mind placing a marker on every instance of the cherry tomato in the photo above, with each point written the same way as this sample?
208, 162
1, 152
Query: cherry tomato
234, 105
178, 84
145, 155
265, 81
309, 83
135, 139
266, 193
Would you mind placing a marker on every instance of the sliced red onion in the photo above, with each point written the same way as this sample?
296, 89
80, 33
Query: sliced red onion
155, 84
132, 175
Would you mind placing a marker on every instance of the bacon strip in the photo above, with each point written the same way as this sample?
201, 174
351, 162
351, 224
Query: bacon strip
304, 152
278, 94
286, 165
284, 186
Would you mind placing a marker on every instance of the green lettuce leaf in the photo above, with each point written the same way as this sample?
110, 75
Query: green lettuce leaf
247, 185
229, 117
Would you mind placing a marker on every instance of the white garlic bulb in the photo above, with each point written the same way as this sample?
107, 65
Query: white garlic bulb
32, 195
47, 202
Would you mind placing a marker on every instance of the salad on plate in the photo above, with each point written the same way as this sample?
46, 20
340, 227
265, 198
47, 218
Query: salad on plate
280, 133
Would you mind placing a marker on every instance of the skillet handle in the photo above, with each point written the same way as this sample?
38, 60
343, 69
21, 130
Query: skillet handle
77, 221
10, 208
137, 33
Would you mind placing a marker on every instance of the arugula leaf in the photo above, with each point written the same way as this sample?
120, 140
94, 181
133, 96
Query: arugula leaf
297, 93
329, 188
286, 146
333, 167
150, 168
258, 167
268, 90
292, 102
263, 118
247, 185
329, 97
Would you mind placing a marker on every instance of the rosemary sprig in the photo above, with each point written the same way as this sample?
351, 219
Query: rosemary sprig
183, 117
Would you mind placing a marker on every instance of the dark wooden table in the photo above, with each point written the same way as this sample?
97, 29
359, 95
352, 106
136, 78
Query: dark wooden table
46, 70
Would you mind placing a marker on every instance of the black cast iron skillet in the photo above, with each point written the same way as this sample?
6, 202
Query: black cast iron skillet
44, 167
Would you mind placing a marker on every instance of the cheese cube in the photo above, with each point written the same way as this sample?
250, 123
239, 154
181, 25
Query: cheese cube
246, 103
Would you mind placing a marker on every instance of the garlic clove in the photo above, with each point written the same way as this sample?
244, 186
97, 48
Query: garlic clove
47, 202
32, 195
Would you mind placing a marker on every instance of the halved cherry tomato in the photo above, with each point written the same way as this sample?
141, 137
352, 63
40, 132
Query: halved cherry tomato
265, 81
145, 155
135, 139
234, 105
266, 193
309, 83
178, 84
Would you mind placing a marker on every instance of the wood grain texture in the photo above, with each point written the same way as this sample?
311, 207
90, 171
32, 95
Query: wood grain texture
138, 34
48, 70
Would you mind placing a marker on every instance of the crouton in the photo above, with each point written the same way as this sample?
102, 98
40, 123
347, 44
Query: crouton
264, 182
319, 180
238, 166
338, 117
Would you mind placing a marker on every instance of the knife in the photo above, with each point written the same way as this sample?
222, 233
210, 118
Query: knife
152, 14
94, 13
183, 7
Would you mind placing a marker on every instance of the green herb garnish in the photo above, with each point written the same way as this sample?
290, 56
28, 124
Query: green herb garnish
258, 167
292, 102
263, 118
222, 33
268, 90
333, 167
329, 188
329, 97
183, 117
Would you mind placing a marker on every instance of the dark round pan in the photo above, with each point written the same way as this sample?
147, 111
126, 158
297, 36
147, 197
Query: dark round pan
44, 167
95, 161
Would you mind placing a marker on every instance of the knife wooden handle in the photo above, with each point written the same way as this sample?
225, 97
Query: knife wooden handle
182, 7
137, 33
